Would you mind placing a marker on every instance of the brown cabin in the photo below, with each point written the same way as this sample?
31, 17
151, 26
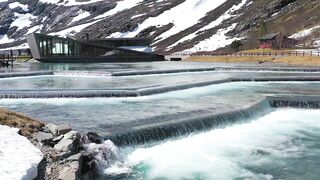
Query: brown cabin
277, 41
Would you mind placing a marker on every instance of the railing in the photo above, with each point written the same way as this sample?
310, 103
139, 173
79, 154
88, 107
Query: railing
6, 60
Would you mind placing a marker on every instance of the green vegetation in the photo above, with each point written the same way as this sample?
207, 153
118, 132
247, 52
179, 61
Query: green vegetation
262, 28
236, 44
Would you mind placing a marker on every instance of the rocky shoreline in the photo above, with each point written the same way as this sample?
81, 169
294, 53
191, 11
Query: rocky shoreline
64, 151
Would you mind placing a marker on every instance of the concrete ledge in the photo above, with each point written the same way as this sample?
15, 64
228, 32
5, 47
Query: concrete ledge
163, 89
295, 101
9, 94
25, 74
149, 72
276, 78
257, 69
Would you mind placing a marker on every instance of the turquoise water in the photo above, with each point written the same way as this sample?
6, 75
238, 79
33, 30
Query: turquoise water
101, 114
81, 81
281, 145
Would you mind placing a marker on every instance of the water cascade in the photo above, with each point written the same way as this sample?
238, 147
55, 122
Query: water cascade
173, 126
83, 73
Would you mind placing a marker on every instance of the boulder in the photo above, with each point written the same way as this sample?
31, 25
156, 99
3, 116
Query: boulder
75, 157
73, 169
52, 128
71, 135
45, 129
89, 165
64, 145
69, 173
63, 129
44, 137
95, 138
57, 139
68, 142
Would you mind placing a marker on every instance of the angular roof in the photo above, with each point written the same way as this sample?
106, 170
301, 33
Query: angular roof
269, 36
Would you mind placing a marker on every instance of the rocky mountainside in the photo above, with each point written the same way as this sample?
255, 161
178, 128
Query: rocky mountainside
173, 25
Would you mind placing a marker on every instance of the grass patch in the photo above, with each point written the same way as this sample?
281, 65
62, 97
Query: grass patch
227, 59
292, 60
266, 50
23, 58
303, 61
26, 125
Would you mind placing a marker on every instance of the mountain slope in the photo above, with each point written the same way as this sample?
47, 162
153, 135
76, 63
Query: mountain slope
174, 25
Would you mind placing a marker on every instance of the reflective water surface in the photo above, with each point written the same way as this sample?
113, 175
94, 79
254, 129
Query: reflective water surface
99, 114
281, 145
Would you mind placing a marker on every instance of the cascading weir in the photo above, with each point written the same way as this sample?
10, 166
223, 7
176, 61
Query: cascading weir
133, 134
147, 130
168, 126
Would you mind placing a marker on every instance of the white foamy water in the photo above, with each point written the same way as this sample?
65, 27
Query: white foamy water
273, 146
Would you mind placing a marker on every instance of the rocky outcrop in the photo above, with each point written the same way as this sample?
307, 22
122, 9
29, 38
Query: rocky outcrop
67, 155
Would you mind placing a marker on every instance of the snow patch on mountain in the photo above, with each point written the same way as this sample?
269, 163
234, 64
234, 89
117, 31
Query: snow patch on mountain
305, 33
216, 41
121, 5
17, 4
72, 30
213, 24
182, 16
82, 15
22, 20
4, 39
135, 16
36, 28
69, 2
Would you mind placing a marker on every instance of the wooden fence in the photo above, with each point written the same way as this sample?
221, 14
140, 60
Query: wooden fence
251, 54
256, 54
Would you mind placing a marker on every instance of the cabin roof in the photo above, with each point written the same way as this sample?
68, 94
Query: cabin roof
269, 36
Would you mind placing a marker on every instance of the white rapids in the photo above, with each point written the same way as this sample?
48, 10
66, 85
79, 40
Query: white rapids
256, 149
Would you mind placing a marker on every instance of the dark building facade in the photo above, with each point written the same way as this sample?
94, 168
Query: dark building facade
53, 49
277, 41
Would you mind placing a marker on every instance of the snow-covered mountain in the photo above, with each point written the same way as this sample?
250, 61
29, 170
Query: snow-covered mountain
174, 25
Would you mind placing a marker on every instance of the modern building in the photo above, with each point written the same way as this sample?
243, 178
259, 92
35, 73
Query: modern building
53, 49
277, 41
